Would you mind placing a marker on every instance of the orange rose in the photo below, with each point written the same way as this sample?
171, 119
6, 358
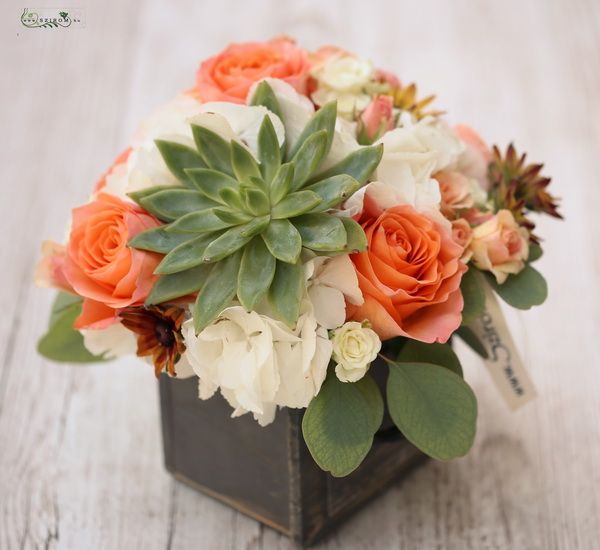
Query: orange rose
100, 266
409, 276
229, 75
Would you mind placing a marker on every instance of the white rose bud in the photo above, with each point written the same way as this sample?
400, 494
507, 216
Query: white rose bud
354, 348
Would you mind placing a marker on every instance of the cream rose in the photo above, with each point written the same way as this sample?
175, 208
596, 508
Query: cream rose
257, 362
344, 78
354, 348
500, 245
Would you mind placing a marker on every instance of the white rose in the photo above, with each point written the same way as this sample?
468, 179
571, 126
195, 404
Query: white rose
354, 348
330, 281
412, 154
257, 362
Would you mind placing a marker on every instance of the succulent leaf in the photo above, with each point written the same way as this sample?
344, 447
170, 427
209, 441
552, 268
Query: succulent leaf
283, 240
215, 151
172, 203
240, 225
217, 292
158, 239
359, 164
287, 288
244, 165
333, 191
322, 120
186, 255
176, 285
308, 158
269, 154
322, 232
256, 273
201, 221
177, 156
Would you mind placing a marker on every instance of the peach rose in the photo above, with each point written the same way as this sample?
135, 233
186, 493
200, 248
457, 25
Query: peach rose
100, 266
50, 271
121, 160
455, 190
476, 157
500, 245
409, 276
463, 235
377, 118
229, 75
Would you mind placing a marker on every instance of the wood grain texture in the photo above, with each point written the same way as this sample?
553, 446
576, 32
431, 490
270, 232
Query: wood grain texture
80, 453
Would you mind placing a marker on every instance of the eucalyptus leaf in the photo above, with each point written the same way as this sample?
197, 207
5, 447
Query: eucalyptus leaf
62, 342
470, 338
287, 288
321, 232
295, 204
283, 241
472, 289
178, 157
257, 270
433, 407
442, 355
535, 252
218, 291
524, 290
340, 422
176, 285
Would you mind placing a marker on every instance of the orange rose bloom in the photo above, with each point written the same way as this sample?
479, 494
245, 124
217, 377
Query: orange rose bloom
410, 275
230, 75
100, 266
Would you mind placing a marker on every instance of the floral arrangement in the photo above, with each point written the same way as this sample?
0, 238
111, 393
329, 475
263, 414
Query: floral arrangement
285, 222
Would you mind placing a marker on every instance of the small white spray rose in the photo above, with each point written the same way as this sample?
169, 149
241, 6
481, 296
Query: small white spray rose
354, 348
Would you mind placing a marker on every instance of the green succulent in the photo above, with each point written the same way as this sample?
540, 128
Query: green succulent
237, 226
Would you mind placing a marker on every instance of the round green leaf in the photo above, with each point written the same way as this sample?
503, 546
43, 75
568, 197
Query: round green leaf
524, 290
473, 294
433, 407
340, 422
436, 354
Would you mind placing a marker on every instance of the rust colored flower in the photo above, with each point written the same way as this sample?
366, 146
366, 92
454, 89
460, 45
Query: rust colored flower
520, 187
158, 330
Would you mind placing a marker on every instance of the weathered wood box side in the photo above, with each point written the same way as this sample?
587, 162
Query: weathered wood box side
268, 473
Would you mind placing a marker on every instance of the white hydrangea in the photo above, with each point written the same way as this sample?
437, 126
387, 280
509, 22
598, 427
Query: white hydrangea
259, 363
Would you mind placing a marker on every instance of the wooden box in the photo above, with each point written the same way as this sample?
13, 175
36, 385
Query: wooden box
268, 473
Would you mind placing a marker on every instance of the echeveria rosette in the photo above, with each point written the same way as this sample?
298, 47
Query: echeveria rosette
238, 224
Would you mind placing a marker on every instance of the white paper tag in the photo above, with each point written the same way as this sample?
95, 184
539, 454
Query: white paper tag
504, 363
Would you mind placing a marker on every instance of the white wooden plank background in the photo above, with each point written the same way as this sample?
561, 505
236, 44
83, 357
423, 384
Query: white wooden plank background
80, 455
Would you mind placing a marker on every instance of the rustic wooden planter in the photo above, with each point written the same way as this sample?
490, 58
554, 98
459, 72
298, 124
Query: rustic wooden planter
268, 473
